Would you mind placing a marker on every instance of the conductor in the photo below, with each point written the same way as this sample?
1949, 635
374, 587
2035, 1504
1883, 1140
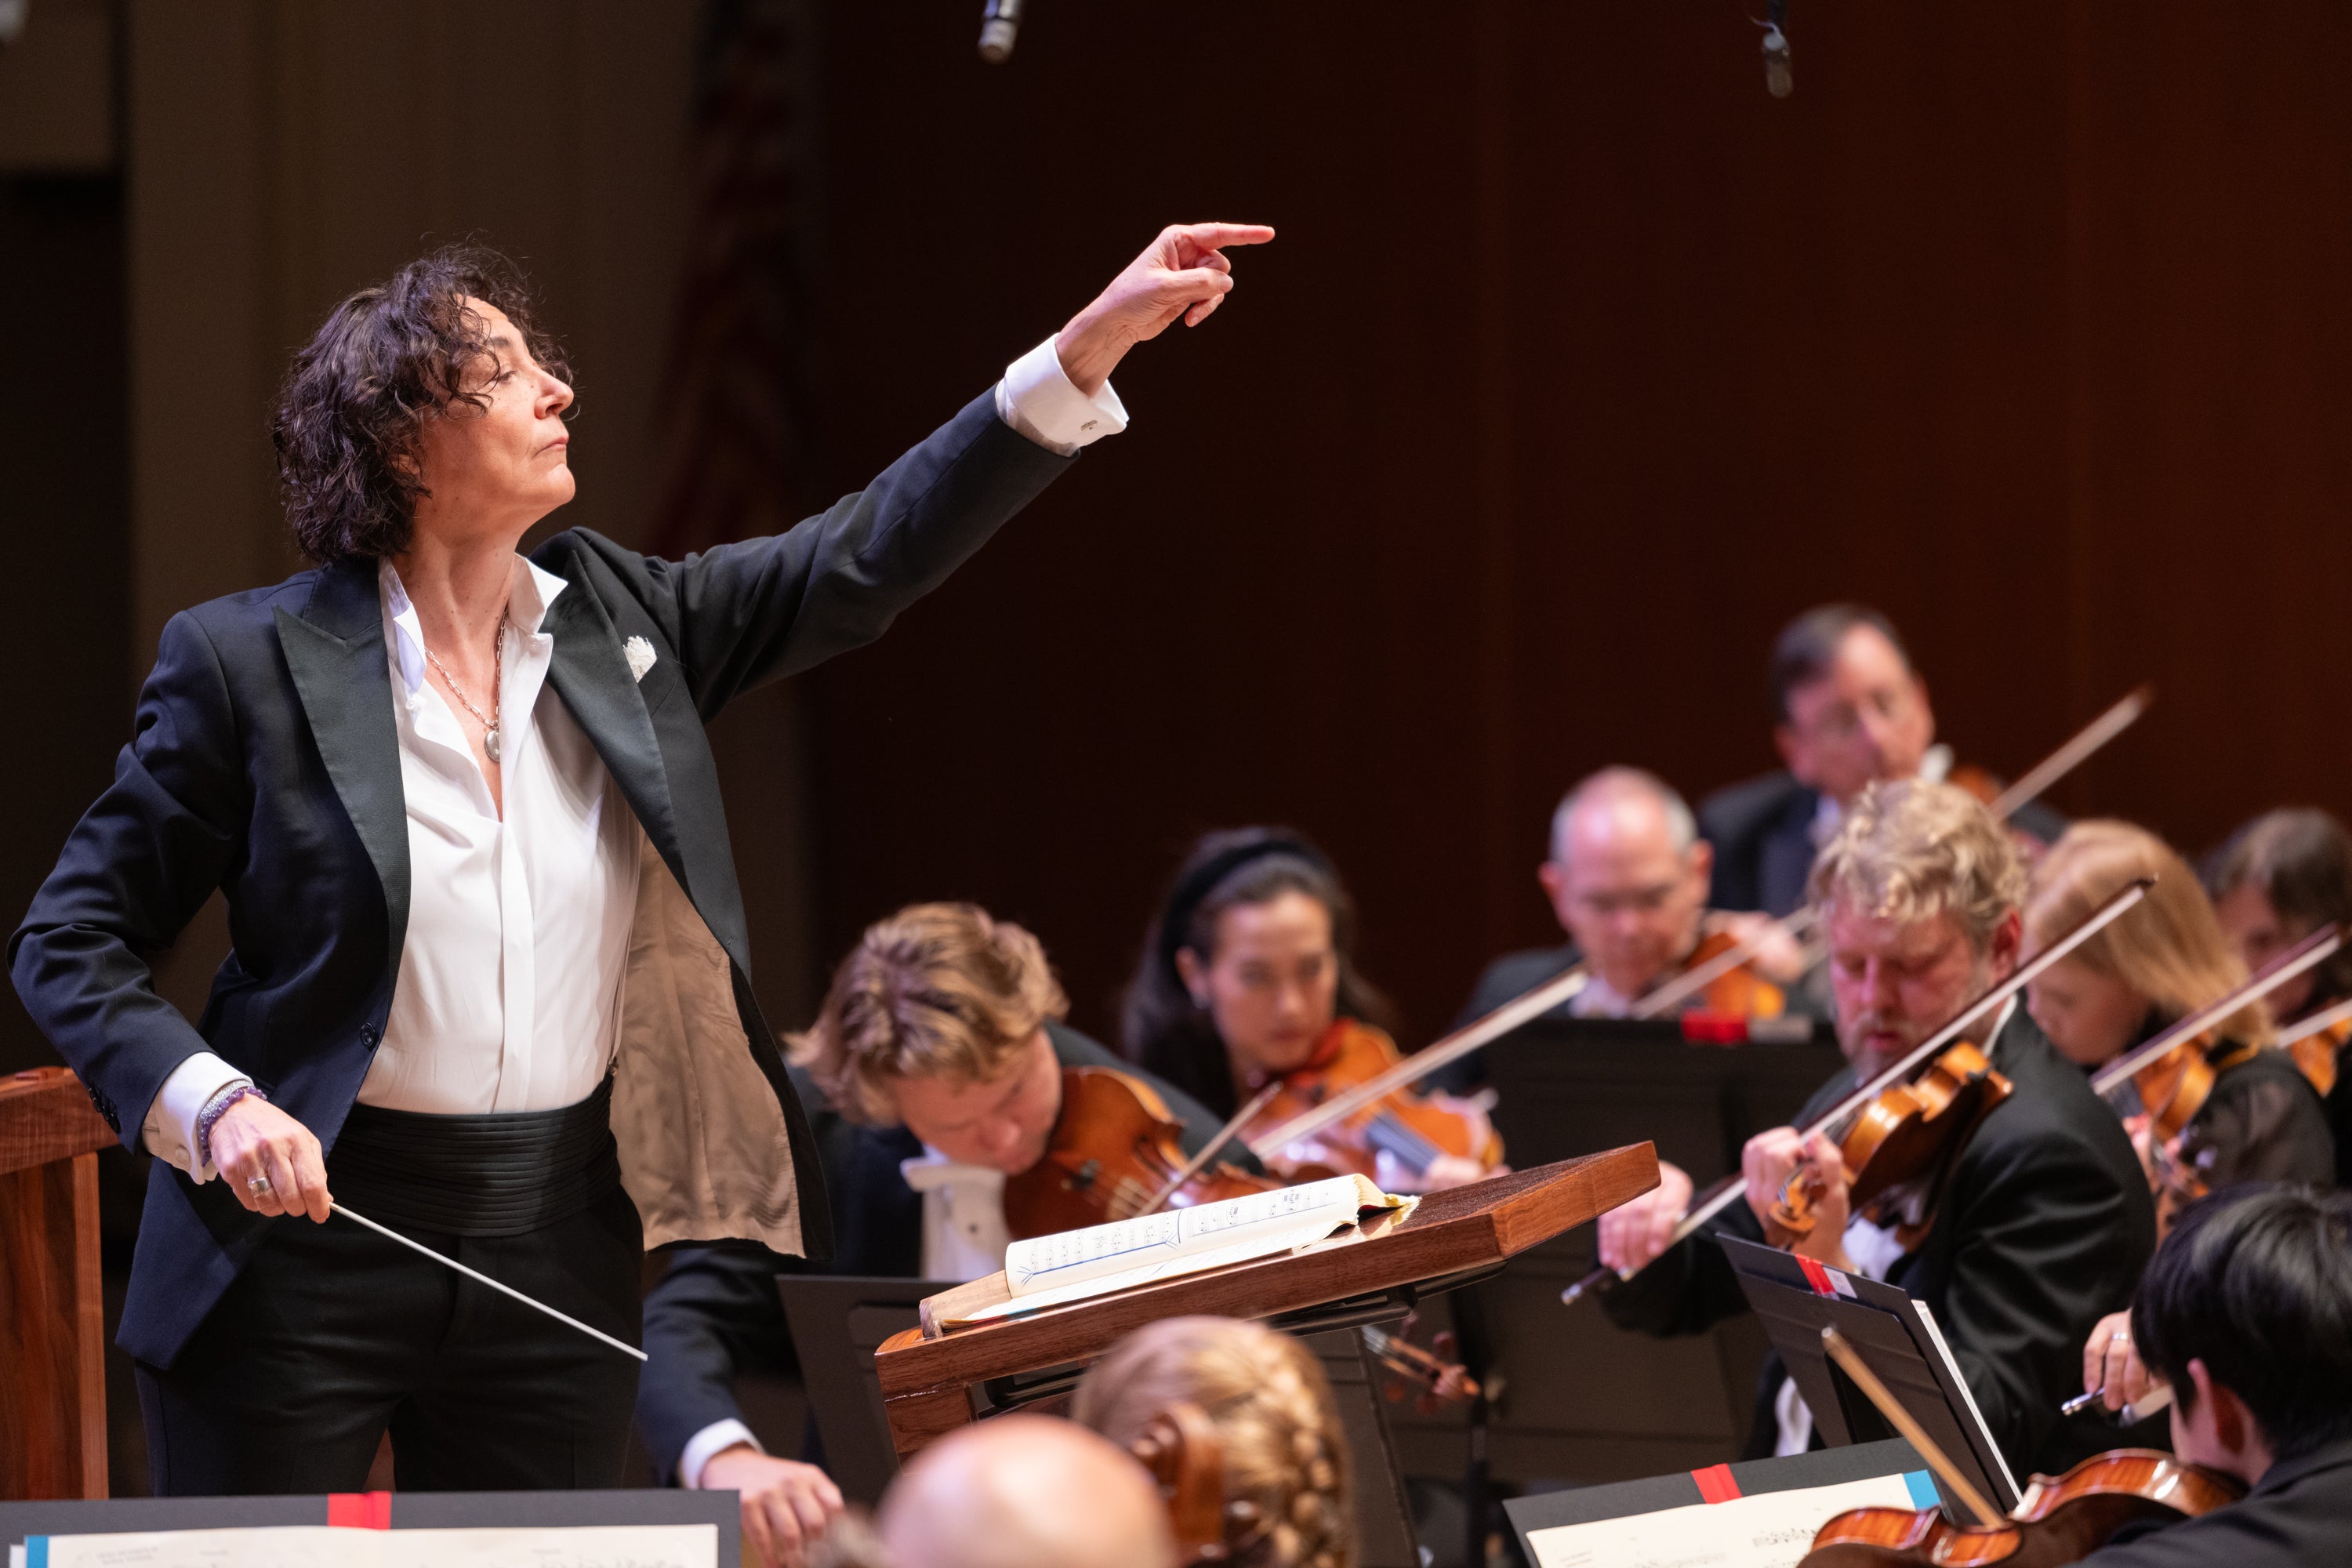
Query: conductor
488, 983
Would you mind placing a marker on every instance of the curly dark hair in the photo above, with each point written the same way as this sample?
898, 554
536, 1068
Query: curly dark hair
355, 403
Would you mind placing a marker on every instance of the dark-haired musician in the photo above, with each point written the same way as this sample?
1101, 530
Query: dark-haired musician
2045, 1221
1848, 710
2247, 1312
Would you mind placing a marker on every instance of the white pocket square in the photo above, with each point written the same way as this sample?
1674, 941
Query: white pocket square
640, 655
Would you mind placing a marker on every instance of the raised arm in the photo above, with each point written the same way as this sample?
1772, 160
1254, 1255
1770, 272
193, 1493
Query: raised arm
744, 614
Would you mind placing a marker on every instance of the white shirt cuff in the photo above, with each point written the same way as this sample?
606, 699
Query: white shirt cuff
1039, 400
170, 1129
705, 1445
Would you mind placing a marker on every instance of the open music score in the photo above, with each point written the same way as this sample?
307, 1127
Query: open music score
1100, 1259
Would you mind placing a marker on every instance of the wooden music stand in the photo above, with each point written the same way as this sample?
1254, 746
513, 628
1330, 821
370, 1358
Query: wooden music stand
52, 1313
1449, 1239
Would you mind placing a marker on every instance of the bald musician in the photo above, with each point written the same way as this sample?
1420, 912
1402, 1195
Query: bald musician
932, 1073
2045, 1221
1627, 878
1848, 710
1026, 1492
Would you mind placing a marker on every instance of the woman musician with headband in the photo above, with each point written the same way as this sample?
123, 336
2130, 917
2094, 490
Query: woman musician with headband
2044, 1220
1248, 987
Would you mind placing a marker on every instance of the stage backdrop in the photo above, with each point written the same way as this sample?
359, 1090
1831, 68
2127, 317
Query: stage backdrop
1580, 365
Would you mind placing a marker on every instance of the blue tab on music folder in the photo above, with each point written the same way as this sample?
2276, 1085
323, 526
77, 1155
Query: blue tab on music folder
1923, 1487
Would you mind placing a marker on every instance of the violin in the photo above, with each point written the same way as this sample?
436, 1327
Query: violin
1115, 1153
1181, 1449
2317, 1041
1410, 1128
1899, 1147
2056, 1521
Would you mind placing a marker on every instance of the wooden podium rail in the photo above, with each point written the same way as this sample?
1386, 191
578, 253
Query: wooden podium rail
52, 1311
926, 1380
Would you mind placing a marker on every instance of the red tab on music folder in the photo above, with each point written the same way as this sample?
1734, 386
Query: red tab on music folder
1825, 1280
360, 1511
1715, 1483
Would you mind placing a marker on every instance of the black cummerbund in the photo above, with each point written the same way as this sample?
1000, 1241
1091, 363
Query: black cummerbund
498, 1174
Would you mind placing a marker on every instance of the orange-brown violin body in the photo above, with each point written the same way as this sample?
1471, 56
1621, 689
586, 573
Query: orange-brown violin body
1114, 1146
1411, 1128
1739, 991
2060, 1522
1899, 1148
2318, 1056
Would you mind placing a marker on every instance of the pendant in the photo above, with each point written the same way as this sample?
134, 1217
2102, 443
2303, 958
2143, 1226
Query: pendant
491, 743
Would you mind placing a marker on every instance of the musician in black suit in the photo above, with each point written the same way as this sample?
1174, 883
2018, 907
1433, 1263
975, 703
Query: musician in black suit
1627, 880
489, 981
932, 1073
2247, 1312
1848, 709
2045, 1221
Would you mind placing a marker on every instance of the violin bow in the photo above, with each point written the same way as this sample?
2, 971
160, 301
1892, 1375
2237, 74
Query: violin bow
2124, 897
1427, 1060
2314, 948
2319, 1023
1200, 1162
2036, 783
1913, 1433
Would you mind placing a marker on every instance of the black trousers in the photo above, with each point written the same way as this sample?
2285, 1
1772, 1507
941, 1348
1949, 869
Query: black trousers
332, 1335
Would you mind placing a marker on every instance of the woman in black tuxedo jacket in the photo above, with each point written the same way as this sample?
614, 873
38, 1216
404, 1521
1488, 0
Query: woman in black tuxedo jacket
489, 981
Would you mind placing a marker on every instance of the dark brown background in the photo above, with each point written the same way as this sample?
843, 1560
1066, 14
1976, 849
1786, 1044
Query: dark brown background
1578, 365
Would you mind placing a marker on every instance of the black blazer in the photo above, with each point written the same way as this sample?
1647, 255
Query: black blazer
2044, 1229
716, 1314
2299, 1514
1762, 831
264, 765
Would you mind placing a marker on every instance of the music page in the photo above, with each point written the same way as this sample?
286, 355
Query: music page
305, 1546
1768, 1530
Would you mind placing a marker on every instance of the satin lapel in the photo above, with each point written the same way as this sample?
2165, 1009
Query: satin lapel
334, 650
591, 674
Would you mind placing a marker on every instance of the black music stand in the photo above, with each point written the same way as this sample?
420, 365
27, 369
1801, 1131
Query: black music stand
1796, 1298
1581, 1399
838, 1321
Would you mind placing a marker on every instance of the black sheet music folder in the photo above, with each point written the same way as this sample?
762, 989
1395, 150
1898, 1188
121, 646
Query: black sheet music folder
1796, 1297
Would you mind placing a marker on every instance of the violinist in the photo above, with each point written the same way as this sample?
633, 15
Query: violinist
1627, 878
2044, 1220
2276, 880
2246, 1312
1848, 710
2260, 1120
933, 1071
1248, 979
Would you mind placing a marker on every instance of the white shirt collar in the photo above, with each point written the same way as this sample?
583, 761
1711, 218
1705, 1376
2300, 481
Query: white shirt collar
531, 593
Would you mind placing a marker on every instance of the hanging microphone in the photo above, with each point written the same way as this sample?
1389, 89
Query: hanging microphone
1000, 26
1778, 80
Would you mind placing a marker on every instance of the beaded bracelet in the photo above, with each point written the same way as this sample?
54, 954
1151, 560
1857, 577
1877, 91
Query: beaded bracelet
213, 1112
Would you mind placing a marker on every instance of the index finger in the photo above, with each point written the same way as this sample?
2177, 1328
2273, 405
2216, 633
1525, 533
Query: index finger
1215, 236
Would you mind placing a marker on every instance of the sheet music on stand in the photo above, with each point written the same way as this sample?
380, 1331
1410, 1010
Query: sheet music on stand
1895, 1334
654, 1529
1762, 1513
